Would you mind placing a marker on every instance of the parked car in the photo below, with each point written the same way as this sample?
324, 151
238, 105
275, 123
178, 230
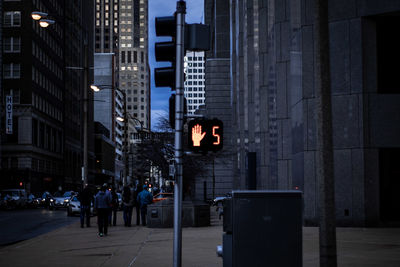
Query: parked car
220, 199
162, 196
67, 196
14, 198
60, 200
34, 200
74, 206
45, 201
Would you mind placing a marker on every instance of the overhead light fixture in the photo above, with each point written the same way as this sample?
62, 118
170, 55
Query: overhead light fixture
95, 88
36, 15
44, 23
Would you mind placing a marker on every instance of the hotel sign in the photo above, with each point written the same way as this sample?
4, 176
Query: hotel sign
9, 115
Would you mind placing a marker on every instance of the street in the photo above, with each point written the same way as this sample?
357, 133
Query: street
19, 225
142, 246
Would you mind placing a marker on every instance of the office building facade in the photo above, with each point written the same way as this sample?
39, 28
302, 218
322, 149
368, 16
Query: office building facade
122, 28
194, 80
272, 102
43, 77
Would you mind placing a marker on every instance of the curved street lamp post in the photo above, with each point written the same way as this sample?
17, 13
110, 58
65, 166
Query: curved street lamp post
97, 88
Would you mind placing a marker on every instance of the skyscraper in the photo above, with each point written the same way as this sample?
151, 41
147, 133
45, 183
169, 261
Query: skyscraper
42, 149
122, 29
266, 56
195, 80
134, 75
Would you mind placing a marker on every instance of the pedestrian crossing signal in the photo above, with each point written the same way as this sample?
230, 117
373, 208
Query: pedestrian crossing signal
205, 135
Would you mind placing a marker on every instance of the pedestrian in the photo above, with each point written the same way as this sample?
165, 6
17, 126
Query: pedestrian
137, 206
102, 205
144, 198
114, 208
86, 200
127, 199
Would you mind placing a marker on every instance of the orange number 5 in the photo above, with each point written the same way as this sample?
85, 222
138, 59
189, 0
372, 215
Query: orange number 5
216, 135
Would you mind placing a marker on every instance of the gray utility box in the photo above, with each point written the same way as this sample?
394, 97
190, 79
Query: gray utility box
263, 228
194, 214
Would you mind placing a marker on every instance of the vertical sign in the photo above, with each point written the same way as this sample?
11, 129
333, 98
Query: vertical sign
9, 115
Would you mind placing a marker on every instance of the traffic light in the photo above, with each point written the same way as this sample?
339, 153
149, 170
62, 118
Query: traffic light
205, 135
172, 110
165, 51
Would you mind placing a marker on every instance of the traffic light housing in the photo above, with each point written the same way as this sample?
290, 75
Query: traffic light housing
205, 135
165, 51
172, 110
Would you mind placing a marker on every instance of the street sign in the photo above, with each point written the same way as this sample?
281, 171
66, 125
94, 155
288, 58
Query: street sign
171, 170
205, 135
9, 115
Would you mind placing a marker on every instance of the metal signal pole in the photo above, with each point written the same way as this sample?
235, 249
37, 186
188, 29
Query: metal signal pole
179, 109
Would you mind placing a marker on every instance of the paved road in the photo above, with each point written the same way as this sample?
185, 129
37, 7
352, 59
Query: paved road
18, 225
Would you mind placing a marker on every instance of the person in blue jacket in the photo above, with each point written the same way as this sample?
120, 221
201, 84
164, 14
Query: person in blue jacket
102, 204
144, 198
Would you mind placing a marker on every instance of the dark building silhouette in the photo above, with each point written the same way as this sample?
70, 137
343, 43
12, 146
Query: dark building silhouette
43, 71
105, 155
272, 101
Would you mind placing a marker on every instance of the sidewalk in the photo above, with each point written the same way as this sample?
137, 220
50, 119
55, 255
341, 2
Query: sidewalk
142, 246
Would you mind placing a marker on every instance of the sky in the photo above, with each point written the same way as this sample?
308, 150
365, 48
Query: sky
163, 8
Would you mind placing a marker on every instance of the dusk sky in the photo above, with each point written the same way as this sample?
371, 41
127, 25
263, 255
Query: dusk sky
161, 8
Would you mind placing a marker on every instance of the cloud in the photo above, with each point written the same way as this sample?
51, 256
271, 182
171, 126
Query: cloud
156, 114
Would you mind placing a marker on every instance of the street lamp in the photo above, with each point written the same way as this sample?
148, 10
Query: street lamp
37, 15
44, 22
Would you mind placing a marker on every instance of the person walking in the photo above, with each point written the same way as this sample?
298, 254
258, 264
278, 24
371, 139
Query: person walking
102, 204
137, 206
114, 208
144, 198
127, 200
86, 199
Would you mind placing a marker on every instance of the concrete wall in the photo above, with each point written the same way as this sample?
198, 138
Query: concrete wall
219, 173
273, 101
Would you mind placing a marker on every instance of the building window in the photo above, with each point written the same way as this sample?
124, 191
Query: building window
12, 44
12, 19
123, 57
134, 56
12, 71
34, 132
129, 56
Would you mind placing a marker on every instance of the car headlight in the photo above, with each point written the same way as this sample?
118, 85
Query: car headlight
66, 200
51, 200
